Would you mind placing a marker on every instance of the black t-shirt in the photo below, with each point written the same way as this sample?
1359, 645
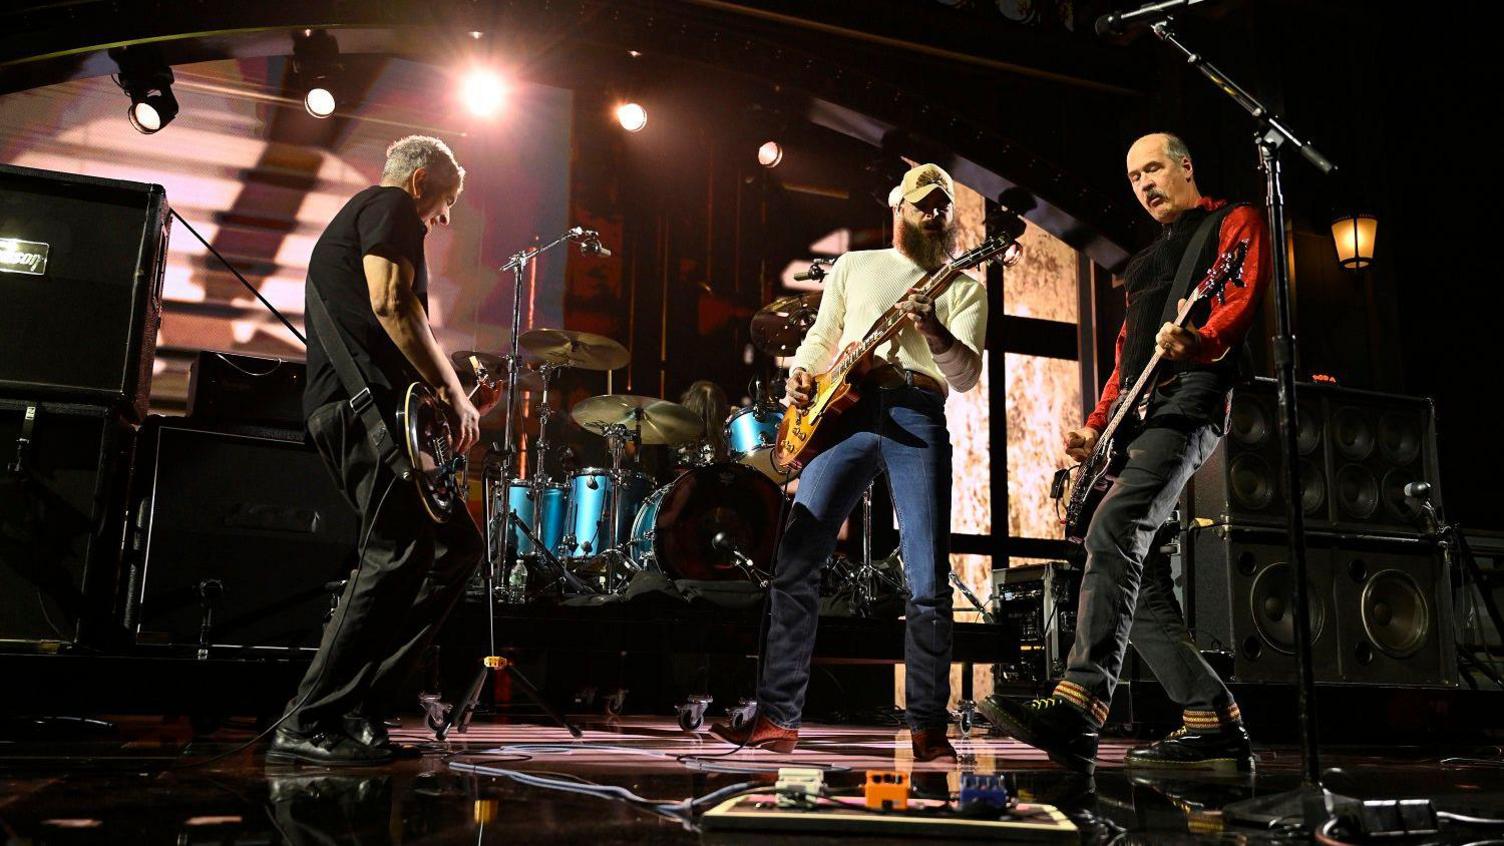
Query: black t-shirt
382, 221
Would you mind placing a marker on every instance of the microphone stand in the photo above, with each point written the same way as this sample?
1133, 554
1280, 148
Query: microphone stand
459, 716
1310, 802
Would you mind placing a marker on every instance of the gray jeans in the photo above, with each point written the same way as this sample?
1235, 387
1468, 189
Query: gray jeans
1126, 589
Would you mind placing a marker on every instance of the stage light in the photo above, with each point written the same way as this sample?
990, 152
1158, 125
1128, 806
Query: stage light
319, 102
145, 78
315, 67
632, 117
484, 93
1354, 236
769, 154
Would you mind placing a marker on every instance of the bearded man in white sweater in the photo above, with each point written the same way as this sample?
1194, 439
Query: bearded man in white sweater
897, 426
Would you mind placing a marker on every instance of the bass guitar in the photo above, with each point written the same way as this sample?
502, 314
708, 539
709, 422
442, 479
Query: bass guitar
803, 432
1095, 475
425, 422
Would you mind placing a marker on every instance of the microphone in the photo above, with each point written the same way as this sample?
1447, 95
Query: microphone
1119, 22
722, 542
1418, 490
817, 271
590, 242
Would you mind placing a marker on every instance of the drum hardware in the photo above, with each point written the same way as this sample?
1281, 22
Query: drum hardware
517, 264
726, 545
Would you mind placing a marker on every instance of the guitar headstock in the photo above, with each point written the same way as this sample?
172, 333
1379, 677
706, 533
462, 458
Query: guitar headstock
1226, 270
1003, 247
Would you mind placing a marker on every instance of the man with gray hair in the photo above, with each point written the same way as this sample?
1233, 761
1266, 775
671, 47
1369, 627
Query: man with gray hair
368, 273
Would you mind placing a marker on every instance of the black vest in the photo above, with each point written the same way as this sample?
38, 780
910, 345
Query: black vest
1148, 279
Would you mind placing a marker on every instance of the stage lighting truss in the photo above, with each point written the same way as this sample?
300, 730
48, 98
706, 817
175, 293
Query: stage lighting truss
147, 79
315, 68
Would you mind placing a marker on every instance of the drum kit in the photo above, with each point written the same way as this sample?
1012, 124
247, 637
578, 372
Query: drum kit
590, 530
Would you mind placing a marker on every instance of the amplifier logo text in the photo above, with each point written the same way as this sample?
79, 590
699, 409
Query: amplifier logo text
17, 256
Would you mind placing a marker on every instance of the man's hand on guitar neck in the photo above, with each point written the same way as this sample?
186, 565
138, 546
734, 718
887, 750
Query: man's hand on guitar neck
921, 311
1080, 442
1177, 343
800, 387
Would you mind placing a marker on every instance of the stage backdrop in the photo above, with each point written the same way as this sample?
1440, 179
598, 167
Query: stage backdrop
258, 177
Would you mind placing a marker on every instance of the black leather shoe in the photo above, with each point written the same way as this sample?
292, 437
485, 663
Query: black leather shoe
331, 749
373, 733
1226, 749
1049, 725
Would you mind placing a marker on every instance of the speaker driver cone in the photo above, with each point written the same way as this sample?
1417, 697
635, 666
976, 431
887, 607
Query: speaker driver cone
1272, 601
1251, 482
1357, 492
1399, 437
1353, 433
1396, 615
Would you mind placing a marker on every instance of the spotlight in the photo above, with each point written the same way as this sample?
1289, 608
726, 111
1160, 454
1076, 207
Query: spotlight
315, 66
632, 117
770, 154
483, 92
145, 78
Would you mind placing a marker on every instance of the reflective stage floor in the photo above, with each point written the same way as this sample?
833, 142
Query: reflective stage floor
114, 784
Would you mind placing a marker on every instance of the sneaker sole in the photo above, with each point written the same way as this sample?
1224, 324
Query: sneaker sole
294, 758
1224, 765
1018, 732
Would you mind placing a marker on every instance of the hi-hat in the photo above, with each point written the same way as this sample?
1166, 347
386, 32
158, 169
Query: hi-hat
779, 326
661, 421
584, 350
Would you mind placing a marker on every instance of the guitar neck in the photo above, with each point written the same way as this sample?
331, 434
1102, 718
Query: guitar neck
892, 320
1130, 399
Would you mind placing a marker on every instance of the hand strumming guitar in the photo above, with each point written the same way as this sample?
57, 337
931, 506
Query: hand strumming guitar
466, 432
800, 388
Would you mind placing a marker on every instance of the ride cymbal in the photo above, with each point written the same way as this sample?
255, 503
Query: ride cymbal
584, 350
660, 421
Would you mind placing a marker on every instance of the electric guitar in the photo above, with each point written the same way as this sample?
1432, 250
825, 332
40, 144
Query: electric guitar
425, 423
1099, 470
804, 432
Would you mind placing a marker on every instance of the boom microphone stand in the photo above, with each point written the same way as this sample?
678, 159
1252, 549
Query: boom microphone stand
460, 715
1310, 802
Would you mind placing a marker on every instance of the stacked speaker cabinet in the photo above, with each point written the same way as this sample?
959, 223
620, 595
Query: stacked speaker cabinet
1380, 592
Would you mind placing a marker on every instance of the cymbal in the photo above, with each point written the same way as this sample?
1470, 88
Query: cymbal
576, 349
662, 422
779, 326
528, 379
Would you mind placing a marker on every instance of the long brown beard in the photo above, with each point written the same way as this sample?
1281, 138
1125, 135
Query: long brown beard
926, 249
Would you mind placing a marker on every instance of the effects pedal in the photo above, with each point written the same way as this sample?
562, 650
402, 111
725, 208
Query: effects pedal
887, 790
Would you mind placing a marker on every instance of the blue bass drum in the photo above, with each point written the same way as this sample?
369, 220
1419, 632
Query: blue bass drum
589, 510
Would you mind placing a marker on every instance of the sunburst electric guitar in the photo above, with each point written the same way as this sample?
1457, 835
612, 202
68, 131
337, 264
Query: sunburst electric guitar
425, 423
804, 432
1098, 472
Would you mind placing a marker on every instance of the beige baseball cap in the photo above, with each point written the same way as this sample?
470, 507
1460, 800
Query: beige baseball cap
919, 182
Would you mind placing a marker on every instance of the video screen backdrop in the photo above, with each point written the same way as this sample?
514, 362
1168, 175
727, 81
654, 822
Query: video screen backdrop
259, 178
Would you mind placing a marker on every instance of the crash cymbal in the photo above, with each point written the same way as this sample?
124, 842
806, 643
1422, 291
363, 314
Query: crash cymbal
779, 326
577, 349
662, 422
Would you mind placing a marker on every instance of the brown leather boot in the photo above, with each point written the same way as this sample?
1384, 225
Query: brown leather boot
930, 745
761, 734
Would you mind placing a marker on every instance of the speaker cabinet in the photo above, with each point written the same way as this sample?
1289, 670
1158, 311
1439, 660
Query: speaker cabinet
81, 278
63, 472
247, 526
1357, 451
1381, 610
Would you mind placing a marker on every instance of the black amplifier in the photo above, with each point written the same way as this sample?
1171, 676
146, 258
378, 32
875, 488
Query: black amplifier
237, 388
81, 262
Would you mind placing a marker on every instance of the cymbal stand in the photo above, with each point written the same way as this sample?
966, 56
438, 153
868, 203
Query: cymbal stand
461, 714
617, 437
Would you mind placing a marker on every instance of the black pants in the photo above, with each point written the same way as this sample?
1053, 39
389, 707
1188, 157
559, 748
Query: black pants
412, 573
1126, 589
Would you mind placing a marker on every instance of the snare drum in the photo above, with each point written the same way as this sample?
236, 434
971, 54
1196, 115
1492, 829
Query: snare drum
542, 510
676, 529
590, 506
751, 434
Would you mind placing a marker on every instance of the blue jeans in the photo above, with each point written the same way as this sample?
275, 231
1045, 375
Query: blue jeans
900, 430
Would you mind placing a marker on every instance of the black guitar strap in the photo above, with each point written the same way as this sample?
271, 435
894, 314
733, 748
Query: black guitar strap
1185, 274
378, 434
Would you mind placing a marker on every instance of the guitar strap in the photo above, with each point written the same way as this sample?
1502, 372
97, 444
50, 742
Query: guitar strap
377, 433
1186, 272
